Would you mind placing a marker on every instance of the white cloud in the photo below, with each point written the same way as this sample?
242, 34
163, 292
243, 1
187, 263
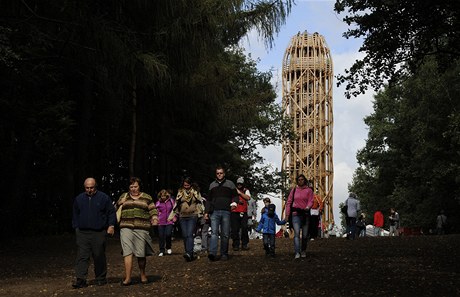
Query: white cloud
272, 155
343, 174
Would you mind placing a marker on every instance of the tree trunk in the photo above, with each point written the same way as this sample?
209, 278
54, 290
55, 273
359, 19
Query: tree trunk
132, 149
16, 204
84, 131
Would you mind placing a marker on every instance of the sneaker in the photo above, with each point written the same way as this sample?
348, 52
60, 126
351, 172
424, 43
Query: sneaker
312, 239
80, 283
224, 258
169, 251
297, 256
212, 257
160, 255
303, 254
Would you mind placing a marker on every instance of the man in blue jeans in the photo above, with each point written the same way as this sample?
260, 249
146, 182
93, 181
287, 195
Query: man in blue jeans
353, 209
222, 198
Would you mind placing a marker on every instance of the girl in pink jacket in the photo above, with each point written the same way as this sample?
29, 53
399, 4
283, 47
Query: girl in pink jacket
165, 205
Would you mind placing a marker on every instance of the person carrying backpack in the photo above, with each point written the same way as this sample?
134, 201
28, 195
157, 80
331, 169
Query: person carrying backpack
239, 218
441, 223
353, 207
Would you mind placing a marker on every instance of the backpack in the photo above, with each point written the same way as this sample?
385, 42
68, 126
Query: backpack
443, 222
344, 208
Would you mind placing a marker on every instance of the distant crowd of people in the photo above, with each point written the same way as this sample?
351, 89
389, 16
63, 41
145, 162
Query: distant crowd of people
356, 220
356, 225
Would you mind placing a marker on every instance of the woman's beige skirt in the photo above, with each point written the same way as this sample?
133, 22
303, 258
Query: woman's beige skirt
136, 242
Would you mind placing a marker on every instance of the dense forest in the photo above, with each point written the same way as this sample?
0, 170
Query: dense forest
411, 159
113, 89
161, 89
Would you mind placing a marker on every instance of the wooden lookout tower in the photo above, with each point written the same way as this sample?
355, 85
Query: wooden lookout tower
307, 101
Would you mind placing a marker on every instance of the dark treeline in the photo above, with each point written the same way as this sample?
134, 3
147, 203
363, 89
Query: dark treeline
112, 89
411, 160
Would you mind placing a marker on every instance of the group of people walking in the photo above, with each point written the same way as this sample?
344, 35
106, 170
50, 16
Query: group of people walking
224, 210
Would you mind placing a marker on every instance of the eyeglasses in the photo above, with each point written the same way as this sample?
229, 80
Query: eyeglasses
219, 173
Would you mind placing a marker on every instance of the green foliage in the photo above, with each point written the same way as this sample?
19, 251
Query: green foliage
7, 55
92, 88
411, 158
397, 36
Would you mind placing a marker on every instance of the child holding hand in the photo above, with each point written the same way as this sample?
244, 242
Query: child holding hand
267, 225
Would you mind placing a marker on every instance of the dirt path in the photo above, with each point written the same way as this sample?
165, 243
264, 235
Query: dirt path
404, 266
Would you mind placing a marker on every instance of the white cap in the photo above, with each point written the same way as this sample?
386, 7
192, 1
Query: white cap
240, 180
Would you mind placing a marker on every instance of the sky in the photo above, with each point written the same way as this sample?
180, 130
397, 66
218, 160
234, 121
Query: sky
350, 132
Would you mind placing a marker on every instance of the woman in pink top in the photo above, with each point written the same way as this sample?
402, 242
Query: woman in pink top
298, 206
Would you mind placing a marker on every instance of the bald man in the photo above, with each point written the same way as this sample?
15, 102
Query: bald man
93, 218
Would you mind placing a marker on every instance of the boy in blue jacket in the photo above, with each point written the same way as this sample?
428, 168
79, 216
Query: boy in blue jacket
267, 226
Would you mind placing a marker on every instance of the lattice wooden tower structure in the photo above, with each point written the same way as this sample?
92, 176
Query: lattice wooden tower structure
307, 101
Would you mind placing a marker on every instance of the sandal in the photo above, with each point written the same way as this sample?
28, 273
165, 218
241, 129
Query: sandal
122, 283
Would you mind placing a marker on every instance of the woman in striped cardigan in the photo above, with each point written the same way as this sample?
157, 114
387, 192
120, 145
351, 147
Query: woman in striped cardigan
137, 215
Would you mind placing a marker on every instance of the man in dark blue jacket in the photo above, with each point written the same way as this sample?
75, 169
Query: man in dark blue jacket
93, 218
